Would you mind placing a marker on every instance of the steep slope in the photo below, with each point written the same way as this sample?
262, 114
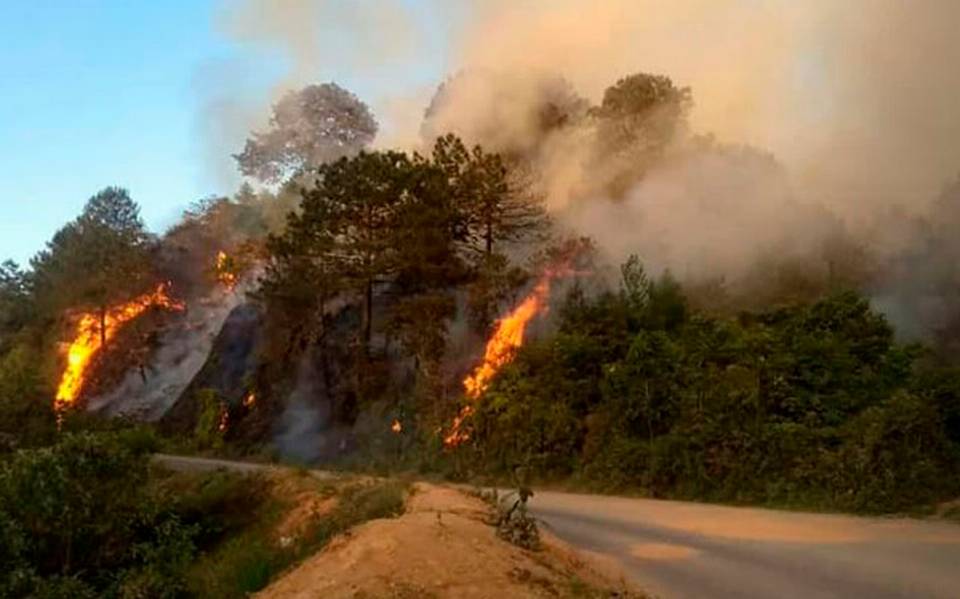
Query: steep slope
180, 351
228, 369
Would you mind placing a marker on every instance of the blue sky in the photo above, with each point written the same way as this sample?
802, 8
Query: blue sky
98, 93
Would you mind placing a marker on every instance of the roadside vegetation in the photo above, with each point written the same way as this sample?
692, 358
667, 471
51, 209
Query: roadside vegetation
90, 516
813, 405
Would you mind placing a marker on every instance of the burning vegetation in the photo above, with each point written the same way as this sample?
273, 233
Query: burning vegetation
382, 273
226, 274
507, 338
500, 349
93, 331
354, 302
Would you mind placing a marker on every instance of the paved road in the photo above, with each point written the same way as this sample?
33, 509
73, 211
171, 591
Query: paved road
193, 464
685, 550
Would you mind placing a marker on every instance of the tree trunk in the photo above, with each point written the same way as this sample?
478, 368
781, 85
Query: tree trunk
324, 354
367, 316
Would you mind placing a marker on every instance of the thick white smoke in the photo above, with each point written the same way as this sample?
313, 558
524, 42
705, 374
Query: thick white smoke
855, 99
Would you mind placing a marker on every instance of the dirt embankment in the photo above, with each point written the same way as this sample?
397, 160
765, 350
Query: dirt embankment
444, 546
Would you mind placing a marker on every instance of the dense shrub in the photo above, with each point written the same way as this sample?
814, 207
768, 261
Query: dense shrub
810, 405
77, 519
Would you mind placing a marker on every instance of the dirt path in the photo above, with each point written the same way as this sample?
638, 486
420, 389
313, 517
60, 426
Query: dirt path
443, 547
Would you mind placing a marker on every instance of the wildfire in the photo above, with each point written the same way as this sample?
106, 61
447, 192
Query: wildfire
250, 400
225, 274
507, 337
501, 348
457, 435
88, 338
396, 427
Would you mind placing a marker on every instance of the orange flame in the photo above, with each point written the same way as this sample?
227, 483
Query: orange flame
501, 348
250, 400
457, 435
225, 274
88, 337
507, 337
396, 427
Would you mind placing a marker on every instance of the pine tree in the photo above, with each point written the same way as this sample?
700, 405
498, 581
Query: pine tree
97, 260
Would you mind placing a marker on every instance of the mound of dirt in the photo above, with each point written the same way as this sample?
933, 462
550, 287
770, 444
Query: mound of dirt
444, 546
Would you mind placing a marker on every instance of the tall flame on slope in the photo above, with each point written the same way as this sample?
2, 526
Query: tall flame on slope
87, 340
501, 348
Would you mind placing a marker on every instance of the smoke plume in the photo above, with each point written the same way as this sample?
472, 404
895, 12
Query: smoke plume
855, 101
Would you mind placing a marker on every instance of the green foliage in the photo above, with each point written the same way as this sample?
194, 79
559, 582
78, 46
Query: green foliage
419, 224
394, 234
100, 257
26, 414
952, 512
89, 517
812, 405
219, 504
495, 282
493, 209
894, 456
247, 560
209, 433
15, 307
78, 519
252, 565
363, 502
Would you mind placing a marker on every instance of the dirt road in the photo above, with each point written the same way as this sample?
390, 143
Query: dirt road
685, 550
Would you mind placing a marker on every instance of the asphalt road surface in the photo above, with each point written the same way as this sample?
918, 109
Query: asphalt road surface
686, 550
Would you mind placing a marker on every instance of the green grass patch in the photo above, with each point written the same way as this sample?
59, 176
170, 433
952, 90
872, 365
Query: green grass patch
247, 560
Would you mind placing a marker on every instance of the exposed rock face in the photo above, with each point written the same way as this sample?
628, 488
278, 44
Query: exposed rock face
147, 391
311, 403
229, 368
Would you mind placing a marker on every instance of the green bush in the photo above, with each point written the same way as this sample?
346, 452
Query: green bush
208, 433
246, 560
895, 456
78, 519
810, 405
